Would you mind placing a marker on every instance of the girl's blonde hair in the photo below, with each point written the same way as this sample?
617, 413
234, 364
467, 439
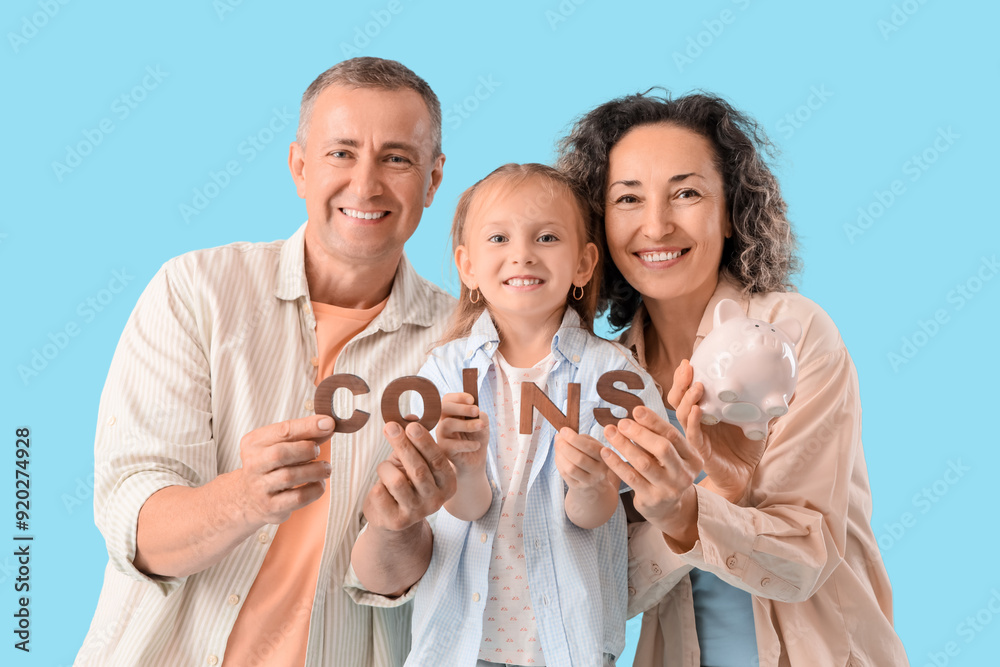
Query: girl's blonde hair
511, 176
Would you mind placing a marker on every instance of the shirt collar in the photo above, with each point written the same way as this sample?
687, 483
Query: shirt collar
410, 299
569, 342
727, 288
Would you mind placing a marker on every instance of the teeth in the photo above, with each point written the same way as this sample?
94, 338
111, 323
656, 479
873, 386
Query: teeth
361, 215
659, 256
520, 282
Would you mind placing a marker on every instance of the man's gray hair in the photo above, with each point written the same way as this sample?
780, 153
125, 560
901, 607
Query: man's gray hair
367, 72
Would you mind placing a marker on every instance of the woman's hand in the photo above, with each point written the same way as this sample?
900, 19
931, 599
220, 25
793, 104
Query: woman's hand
463, 433
730, 457
664, 465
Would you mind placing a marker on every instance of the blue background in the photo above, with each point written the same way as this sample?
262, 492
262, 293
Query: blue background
885, 81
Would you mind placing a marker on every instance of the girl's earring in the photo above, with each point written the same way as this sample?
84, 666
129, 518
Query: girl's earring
476, 292
575, 295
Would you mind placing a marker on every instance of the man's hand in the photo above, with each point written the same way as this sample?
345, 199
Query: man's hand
413, 483
280, 472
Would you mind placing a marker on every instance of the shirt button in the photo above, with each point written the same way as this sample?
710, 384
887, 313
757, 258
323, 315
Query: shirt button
576, 358
309, 404
307, 308
538, 544
314, 361
233, 599
475, 597
489, 345
545, 600
482, 538
631, 591
111, 420
731, 562
656, 569
213, 660
262, 538
765, 581
470, 353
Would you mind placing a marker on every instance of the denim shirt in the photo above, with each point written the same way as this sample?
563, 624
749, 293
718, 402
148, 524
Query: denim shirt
577, 577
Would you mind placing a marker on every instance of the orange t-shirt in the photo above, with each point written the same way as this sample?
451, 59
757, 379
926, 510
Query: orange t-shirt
280, 599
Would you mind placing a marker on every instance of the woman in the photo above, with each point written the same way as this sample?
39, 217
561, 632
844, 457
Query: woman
770, 559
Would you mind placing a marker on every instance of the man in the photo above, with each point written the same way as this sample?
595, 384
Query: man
228, 510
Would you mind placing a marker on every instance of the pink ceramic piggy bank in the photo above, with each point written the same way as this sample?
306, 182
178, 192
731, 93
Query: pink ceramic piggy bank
748, 368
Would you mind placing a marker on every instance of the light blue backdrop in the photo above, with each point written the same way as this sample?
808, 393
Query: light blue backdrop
118, 114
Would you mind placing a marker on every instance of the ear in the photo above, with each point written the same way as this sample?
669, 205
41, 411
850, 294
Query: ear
297, 165
726, 310
437, 173
790, 328
588, 262
464, 266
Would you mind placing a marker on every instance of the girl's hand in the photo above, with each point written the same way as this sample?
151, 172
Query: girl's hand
463, 440
663, 468
578, 459
730, 457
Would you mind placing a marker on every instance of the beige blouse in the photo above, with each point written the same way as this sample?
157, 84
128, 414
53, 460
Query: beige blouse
800, 541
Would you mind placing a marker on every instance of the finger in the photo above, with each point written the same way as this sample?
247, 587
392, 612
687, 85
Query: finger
582, 442
659, 436
458, 405
397, 484
281, 454
690, 399
424, 462
288, 477
640, 462
290, 500
450, 426
316, 427
697, 437
683, 376
626, 473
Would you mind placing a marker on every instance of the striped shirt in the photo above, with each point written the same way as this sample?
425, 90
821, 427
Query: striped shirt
222, 342
577, 577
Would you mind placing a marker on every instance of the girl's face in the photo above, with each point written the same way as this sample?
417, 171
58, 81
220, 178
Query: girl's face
524, 249
666, 216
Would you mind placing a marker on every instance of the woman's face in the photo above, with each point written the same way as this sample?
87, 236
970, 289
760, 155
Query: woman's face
666, 217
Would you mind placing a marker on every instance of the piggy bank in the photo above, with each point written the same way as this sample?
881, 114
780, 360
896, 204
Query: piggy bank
748, 369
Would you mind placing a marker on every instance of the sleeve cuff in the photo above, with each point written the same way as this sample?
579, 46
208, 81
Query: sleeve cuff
653, 569
363, 596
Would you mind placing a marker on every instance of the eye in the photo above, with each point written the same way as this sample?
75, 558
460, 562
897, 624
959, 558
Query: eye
497, 238
627, 199
338, 154
398, 159
548, 238
688, 193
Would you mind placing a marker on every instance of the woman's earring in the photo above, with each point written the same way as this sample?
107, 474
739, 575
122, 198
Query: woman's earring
575, 295
476, 292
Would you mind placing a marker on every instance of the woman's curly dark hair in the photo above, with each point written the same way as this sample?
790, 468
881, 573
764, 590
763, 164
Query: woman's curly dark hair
760, 255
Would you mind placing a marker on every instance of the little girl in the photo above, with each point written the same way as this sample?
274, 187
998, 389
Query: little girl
530, 554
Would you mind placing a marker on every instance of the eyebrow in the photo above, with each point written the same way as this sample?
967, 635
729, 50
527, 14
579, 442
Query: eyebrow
389, 145
631, 183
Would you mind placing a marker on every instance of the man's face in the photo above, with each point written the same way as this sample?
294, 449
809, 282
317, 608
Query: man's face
366, 173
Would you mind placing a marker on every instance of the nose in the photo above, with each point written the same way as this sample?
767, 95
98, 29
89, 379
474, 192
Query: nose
366, 179
657, 220
523, 251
